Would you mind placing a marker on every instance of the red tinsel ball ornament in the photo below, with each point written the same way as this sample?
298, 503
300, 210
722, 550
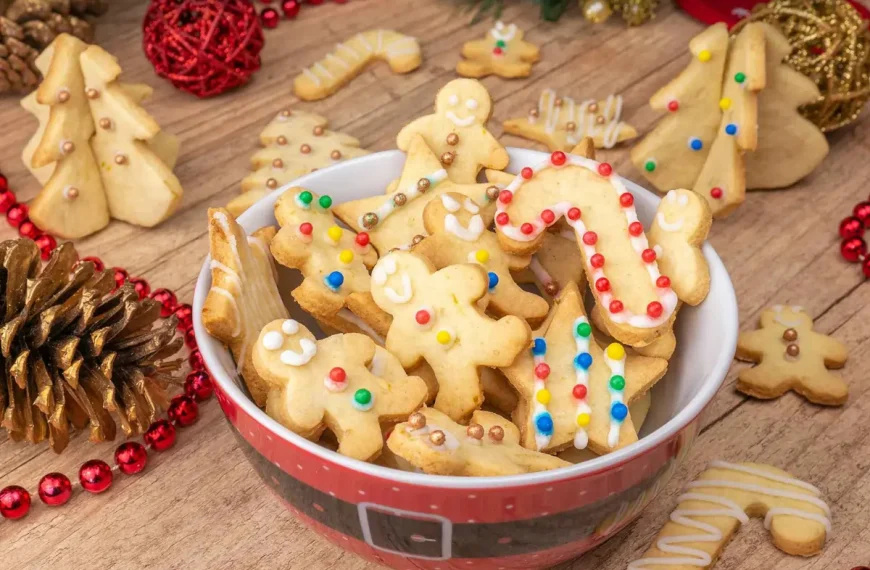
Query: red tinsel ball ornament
131, 457
204, 47
55, 489
95, 476
14, 502
183, 410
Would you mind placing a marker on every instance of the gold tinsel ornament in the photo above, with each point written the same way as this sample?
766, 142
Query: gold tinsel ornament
830, 45
76, 351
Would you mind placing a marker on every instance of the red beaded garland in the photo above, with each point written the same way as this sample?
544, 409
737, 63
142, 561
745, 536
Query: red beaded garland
596, 260
663, 282
590, 238
526, 173
28, 230
579, 391
190, 338
16, 215
648, 255
716, 192
195, 360
98, 263
290, 8
183, 410
184, 313
626, 199
121, 276
422, 317
55, 489
602, 284
4, 183
14, 502
616, 306
362, 239
46, 244
548, 217
502, 218
635, 228
131, 457
865, 267
141, 286
654, 309
558, 158
167, 299
851, 227
160, 435
95, 476
604, 169
198, 385
7, 200
527, 228
574, 214
862, 212
305, 228
673, 106
853, 249
542, 370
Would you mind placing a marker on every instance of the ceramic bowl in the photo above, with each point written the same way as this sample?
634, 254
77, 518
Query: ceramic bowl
411, 520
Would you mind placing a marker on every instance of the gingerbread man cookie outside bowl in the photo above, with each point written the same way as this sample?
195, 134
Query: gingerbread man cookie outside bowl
507, 520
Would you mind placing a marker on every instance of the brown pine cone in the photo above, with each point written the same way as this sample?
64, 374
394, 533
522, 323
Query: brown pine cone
18, 73
44, 20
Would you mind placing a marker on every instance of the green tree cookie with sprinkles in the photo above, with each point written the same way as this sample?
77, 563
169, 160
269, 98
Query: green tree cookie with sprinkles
326, 384
574, 393
394, 220
673, 153
333, 261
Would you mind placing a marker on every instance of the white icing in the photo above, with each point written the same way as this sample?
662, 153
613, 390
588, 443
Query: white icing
348, 50
617, 367
471, 233
411, 193
378, 365
273, 340
293, 358
667, 226
403, 46
788, 323
584, 120
290, 327
453, 99
466, 122
581, 437
450, 204
346, 315
450, 441
502, 32
334, 386
405, 295
310, 75
224, 293
542, 440
337, 60
539, 272
471, 104
470, 206
385, 267
658, 249
362, 39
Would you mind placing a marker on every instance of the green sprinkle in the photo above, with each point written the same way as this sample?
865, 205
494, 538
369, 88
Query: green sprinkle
650, 165
740, 77
617, 383
584, 330
305, 197
501, 43
362, 397
325, 202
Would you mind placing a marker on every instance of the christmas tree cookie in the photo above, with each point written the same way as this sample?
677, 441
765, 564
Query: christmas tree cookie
502, 52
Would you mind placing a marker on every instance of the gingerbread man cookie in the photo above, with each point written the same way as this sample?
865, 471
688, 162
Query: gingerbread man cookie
436, 318
620, 264
573, 393
244, 293
396, 219
488, 446
348, 60
457, 133
320, 384
457, 235
722, 499
561, 123
502, 52
791, 356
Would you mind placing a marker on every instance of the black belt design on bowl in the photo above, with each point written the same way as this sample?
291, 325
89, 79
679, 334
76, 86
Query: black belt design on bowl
428, 536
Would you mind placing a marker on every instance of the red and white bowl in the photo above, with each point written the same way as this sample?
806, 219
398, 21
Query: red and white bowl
412, 520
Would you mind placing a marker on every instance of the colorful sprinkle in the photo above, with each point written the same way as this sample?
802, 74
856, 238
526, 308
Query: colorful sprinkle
695, 143
584, 329
716, 192
626, 200
325, 202
583, 360
542, 371
739, 77
505, 196
443, 337
590, 238
544, 423
615, 351
724, 103
673, 106
501, 44
597, 261
617, 382
539, 348
305, 198
305, 228
481, 255
548, 217
648, 255
583, 420
346, 256
635, 228
616, 306
574, 214
602, 284
663, 282
705, 55
526, 173
362, 239
363, 400
543, 396
558, 158
502, 219
604, 169
619, 411
334, 233
334, 280
493, 280
423, 317
654, 309
579, 391
731, 129
650, 165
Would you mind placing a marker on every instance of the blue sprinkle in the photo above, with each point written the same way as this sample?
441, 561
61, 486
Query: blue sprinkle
540, 347
583, 360
493, 280
731, 129
695, 143
544, 423
619, 411
334, 280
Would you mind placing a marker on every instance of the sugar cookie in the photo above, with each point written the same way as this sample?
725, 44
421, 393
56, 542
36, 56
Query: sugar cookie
502, 52
555, 264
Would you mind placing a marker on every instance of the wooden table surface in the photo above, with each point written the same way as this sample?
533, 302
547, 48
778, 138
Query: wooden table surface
202, 506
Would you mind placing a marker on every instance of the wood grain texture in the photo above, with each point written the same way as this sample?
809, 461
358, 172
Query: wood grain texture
201, 505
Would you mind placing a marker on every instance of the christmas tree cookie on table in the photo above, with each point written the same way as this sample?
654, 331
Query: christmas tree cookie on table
502, 52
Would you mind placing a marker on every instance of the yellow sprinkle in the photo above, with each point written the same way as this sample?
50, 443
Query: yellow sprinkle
615, 351
724, 103
543, 396
705, 55
481, 255
334, 233
443, 337
583, 420
346, 256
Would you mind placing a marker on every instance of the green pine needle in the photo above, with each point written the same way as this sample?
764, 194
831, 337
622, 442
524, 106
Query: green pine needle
551, 10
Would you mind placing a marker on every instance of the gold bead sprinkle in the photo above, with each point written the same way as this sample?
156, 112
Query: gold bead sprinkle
496, 433
789, 335
551, 288
447, 158
400, 199
71, 193
593, 107
492, 193
92, 93
533, 112
277, 163
305, 149
318, 131
475, 430
437, 437
67, 147
600, 119
571, 126
558, 102
286, 113
120, 159
281, 140
793, 350
370, 220
423, 185
335, 155
417, 420
452, 139
417, 239
63, 96
105, 123
271, 184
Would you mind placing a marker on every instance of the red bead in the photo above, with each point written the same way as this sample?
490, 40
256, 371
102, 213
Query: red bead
604, 169
596, 260
160, 435
362, 239
865, 267
853, 249
95, 476
55, 489
14, 502
716, 192
167, 299
184, 313
602, 284
270, 18
673, 106
98, 263
183, 410
527, 173
198, 385
548, 217
121, 276
851, 227
558, 158
290, 9
338, 375
616, 306
28, 230
862, 212
502, 218
141, 286
542, 370
305, 228
590, 238
315, 2
654, 309
131, 457
16, 215
648, 255
663, 282
7, 200
579, 391
497, 51
46, 244
635, 229
422, 317
527, 228
574, 214
626, 200
195, 360
190, 338
4, 183
505, 196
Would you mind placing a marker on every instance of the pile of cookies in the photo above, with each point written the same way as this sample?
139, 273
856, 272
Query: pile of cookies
459, 335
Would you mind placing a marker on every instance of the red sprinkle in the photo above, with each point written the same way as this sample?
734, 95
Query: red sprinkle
635, 229
497, 51
590, 238
648, 255
626, 200
558, 158
654, 309
542, 370
673, 105
602, 284
716, 192
526, 173
502, 218
337, 375
574, 214
306, 228
604, 169
362, 239
527, 228
422, 317
616, 306
505, 196
548, 216
596, 260
663, 282
579, 391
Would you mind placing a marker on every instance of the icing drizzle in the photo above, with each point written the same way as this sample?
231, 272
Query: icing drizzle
584, 120
581, 383
541, 417
411, 192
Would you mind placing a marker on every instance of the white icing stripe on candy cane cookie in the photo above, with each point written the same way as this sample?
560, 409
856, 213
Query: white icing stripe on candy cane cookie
411, 192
